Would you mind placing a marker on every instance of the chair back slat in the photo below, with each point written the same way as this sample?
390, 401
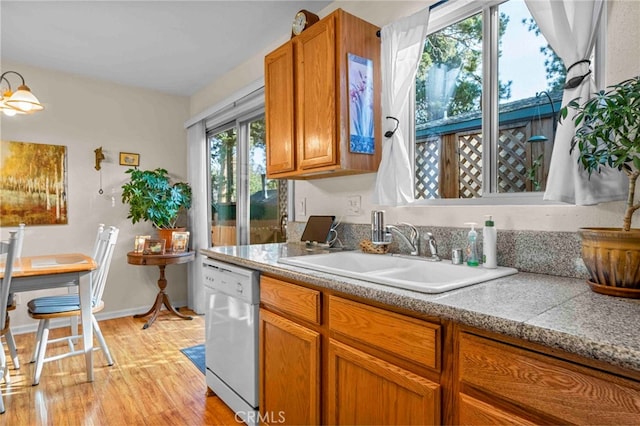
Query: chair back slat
5, 283
94, 253
4, 245
105, 246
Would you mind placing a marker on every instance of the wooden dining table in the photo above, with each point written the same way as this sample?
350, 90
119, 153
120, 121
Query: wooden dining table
56, 271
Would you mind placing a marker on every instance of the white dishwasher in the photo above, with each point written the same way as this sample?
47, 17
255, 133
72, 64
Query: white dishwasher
232, 297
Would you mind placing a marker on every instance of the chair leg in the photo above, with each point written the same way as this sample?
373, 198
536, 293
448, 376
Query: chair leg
4, 366
103, 343
13, 350
74, 326
41, 351
36, 348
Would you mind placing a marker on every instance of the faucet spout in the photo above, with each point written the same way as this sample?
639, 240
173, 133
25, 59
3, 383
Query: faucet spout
433, 247
412, 241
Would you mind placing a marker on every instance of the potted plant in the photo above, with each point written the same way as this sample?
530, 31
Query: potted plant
152, 197
608, 135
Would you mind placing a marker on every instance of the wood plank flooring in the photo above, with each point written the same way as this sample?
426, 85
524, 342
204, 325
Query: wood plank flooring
151, 382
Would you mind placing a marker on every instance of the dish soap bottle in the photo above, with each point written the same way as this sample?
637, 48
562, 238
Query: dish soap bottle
472, 247
489, 245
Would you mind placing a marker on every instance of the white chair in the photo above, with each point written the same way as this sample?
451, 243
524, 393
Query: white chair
5, 286
11, 305
47, 308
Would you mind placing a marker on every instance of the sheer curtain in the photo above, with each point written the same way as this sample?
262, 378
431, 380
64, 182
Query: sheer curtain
570, 27
197, 174
402, 45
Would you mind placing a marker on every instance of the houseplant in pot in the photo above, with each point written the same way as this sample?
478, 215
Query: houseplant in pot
154, 198
608, 135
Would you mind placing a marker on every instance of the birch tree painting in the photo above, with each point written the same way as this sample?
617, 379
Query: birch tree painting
33, 184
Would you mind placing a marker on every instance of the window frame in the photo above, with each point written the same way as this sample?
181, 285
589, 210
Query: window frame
448, 13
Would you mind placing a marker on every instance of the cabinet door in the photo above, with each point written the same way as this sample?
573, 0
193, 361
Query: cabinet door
364, 389
278, 75
316, 95
289, 371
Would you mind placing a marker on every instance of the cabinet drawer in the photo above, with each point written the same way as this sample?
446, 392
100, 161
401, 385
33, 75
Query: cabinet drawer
406, 337
541, 384
295, 300
473, 412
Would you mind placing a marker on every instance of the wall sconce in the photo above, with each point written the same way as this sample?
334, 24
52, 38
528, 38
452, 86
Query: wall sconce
22, 101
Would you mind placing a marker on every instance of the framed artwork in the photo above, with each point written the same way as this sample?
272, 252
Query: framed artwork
152, 246
361, 118
129, 159
33, 184
138, 243
179, 242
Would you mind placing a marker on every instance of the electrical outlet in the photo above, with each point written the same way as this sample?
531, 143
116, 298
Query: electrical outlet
354, 205
301, 208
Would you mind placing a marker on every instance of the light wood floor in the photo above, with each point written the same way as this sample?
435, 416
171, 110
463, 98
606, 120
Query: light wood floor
151, 382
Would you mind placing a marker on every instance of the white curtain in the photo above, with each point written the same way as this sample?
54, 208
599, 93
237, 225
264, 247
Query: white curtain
402, 45
570, 27
197, 175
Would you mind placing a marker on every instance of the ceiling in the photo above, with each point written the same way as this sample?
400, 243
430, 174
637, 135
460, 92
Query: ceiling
176, 47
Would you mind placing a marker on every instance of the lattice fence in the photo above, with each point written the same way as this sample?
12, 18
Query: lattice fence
513, 160
427, 168
470, 164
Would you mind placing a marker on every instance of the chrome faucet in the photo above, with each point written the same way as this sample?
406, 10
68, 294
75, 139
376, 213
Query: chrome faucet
413, 240
433, 248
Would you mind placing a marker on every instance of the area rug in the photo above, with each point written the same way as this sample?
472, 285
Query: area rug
196, 355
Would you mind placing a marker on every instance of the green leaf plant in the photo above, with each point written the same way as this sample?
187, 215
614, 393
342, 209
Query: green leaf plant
607, 134
152, 197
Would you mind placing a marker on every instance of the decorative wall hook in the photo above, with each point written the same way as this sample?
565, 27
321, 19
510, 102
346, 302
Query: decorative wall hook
99, 157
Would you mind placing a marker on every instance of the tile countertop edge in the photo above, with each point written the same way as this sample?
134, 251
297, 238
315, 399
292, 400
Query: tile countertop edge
551, 321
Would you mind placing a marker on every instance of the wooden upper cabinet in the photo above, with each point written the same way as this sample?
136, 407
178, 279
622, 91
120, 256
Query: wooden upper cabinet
278, 75
316, 107
307, 100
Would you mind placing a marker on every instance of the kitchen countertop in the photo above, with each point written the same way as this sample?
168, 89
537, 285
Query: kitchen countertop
554, 311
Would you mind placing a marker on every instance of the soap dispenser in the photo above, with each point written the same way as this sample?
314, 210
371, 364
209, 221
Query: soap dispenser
489, 246
472, 246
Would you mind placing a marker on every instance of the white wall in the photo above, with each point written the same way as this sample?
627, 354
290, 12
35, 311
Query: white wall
84, 114
329, 196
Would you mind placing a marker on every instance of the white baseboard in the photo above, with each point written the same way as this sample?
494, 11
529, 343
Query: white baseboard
100, 316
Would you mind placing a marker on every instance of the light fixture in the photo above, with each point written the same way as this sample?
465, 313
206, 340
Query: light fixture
22, 101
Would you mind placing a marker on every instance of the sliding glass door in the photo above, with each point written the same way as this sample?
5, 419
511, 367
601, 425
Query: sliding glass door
246, 207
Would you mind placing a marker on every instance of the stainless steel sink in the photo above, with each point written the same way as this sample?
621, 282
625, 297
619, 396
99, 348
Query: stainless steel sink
403, 272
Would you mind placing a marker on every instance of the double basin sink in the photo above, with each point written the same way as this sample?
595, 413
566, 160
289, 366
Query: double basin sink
415, 274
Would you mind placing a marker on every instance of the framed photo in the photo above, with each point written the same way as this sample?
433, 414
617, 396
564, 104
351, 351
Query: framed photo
152, 246
138, 243
129, 159
179, 242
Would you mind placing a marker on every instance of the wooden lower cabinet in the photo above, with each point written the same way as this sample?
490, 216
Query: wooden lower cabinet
365, 390
327, 359
540, 387
289, 371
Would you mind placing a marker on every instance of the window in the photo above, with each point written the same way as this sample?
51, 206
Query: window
487, 92
246, 207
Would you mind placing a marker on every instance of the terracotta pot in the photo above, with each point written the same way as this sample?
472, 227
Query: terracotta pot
167, 235
612, 257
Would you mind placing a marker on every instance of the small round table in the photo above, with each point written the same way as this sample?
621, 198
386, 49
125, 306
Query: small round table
160, 260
